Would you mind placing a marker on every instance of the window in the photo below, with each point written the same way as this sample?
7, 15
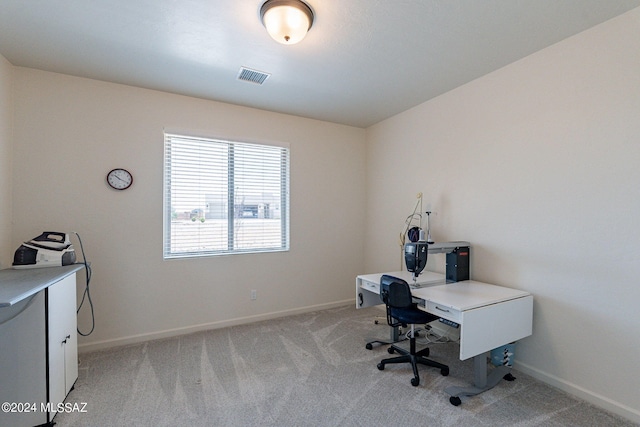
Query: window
223, 197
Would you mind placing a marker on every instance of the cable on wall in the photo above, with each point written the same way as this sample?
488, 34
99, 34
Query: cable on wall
87, 293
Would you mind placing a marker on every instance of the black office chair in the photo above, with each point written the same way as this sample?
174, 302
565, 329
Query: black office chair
401, 310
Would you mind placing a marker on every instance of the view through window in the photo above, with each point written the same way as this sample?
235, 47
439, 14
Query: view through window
223, 197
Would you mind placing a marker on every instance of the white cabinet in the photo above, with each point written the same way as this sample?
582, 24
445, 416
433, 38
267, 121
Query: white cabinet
62, 338
38, 342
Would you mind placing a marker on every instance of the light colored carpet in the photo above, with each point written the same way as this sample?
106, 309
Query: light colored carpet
305, 370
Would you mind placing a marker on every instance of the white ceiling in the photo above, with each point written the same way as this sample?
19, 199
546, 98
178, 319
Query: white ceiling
362, 61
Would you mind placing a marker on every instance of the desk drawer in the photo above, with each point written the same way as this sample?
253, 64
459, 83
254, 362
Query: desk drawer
370, 286
444, 312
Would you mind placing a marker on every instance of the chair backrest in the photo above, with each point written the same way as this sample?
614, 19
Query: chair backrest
395, 292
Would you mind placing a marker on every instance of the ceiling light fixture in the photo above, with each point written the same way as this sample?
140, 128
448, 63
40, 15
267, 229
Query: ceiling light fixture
286, 21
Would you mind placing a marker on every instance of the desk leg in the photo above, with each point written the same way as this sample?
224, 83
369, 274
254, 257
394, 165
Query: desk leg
394, 337
482, 381
394, 333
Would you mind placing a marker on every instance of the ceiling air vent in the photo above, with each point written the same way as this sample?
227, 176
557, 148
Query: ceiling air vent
252, 76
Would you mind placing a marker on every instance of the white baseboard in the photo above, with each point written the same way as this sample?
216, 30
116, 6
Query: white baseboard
591, 397
134, 339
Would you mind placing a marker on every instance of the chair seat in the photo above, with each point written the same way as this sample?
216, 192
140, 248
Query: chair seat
412, 315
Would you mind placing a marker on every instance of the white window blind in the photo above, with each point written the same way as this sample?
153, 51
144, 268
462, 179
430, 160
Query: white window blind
224, 197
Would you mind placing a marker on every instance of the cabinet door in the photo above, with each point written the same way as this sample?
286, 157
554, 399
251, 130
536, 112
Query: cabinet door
23, 360
63, 338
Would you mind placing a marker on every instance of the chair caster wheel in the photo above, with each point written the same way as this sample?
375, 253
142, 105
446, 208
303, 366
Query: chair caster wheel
444, 372
381, 366
455, 401
369, 346
390, 350
509, 377
415, 381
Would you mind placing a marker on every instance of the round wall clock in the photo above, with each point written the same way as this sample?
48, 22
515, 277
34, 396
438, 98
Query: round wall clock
120, 179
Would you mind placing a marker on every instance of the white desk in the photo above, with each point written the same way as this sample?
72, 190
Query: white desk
368, 285
489, 316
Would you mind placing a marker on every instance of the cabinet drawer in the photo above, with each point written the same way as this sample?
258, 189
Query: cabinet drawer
444, 312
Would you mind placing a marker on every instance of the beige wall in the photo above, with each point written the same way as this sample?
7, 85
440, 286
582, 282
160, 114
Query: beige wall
538, 166
70, 132
6, 166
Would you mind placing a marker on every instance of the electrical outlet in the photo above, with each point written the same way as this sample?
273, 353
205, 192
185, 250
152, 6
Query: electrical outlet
254, 294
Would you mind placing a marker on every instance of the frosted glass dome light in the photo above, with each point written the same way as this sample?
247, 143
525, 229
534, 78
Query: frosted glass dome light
286, 21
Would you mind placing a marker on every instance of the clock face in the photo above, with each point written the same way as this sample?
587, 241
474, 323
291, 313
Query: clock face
120, 179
